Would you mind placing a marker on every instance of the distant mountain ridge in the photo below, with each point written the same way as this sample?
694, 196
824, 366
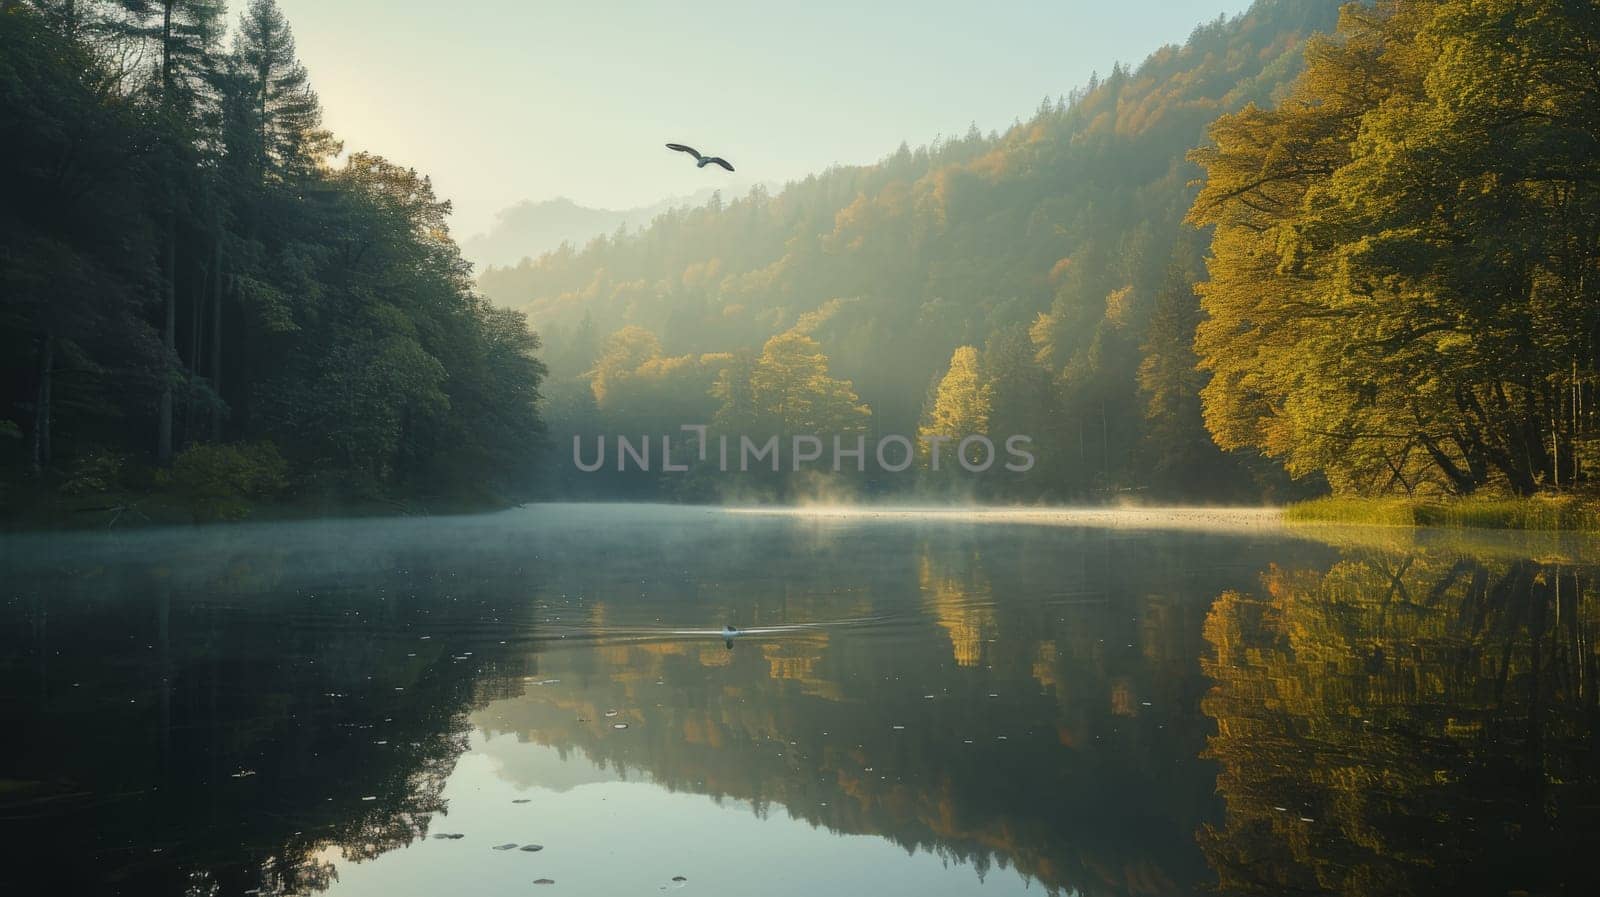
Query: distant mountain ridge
529, 229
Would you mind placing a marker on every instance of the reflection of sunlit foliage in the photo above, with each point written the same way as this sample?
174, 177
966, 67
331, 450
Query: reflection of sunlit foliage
1407, 724
960, 601
1086, 668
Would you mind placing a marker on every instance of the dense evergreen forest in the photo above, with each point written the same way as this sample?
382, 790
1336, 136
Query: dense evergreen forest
203, 298
1394, 251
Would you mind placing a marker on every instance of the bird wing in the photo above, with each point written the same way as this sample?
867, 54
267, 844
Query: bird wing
718, 160
684, 149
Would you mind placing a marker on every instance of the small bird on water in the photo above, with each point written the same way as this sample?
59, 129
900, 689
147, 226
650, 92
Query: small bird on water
700, 161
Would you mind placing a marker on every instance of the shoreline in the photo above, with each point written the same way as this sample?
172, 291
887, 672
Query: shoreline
1564, 515
1553, 514
140, 511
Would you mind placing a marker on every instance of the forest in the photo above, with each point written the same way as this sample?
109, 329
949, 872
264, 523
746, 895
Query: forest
204, 299
1308, 250
1311, 250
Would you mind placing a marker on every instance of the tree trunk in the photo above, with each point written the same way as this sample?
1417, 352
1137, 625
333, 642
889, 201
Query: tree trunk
169, 330
196, 325
169, 338
41, 410
215, 365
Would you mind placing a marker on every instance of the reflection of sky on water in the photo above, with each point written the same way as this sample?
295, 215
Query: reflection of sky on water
606, 836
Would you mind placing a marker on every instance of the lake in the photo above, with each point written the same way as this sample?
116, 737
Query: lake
543, 700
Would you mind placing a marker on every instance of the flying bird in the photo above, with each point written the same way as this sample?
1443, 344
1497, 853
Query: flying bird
699, 160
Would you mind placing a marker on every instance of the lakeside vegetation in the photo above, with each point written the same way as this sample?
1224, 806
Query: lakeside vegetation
1552, 513
204, 304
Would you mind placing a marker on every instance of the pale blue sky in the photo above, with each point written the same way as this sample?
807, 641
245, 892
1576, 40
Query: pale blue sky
505, 100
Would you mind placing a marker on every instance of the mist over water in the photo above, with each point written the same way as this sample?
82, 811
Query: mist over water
914, 703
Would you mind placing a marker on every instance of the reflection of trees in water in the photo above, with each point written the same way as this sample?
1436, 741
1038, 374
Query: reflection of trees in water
961, 603
1408, 724
261, 669
174, 742
1091, 661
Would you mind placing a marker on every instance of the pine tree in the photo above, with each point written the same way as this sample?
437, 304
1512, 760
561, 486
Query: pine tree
287, 137
183, 35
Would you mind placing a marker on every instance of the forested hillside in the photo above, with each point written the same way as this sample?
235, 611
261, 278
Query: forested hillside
197, 300
1050, 263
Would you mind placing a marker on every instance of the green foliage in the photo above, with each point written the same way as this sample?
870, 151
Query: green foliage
97, 472
180, 266
1402, 291
218, 482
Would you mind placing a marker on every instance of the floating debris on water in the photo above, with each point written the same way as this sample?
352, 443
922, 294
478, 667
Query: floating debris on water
532, 848
523, 800
505, 847
544, 881
450, 835
619, 725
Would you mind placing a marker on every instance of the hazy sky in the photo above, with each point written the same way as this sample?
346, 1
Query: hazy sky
505, 100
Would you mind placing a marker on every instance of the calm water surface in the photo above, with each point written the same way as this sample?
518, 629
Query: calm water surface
915, 705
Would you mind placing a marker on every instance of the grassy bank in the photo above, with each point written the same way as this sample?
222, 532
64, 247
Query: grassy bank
40, 510
1564, 514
